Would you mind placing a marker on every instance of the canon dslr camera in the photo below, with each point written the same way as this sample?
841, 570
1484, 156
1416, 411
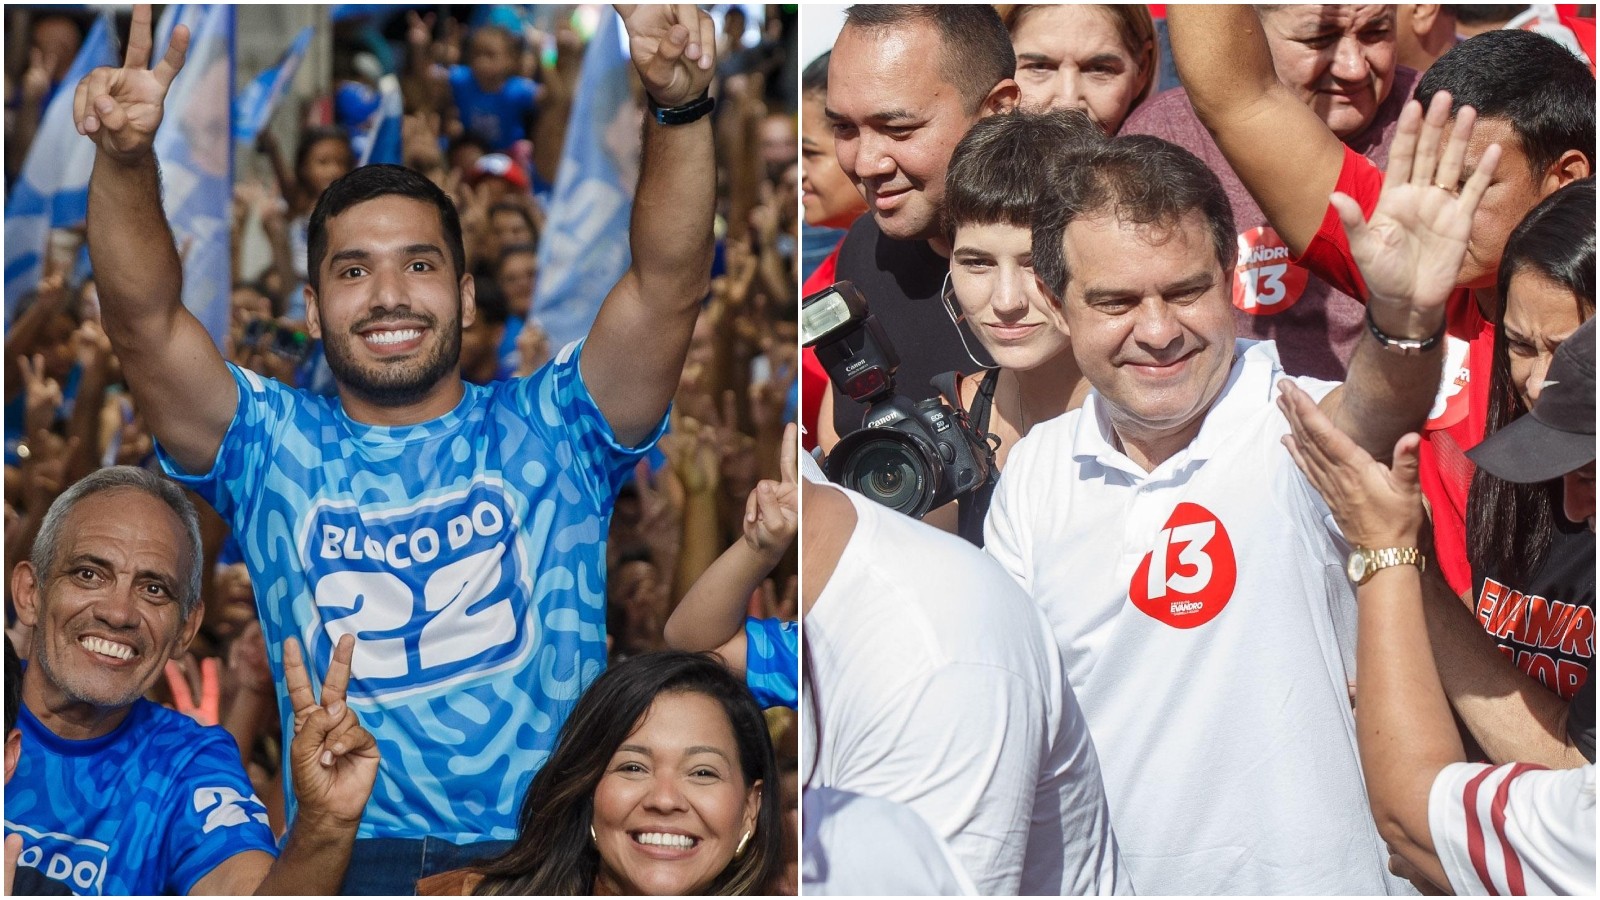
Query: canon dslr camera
909, 456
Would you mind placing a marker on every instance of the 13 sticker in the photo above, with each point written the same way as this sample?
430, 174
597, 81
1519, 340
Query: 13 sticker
1187, 579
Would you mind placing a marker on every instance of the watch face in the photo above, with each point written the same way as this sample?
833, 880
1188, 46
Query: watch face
1356, 566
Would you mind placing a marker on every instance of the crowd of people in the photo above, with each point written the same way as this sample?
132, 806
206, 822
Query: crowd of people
1311, 324
438, 600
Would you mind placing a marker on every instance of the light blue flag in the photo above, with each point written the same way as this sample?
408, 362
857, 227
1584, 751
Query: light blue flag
253, 108
379, 137
195, 148
52, 190
584, 248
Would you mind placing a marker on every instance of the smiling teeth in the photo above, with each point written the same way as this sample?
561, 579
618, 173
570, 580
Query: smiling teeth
657, 839
107, 648
393, 337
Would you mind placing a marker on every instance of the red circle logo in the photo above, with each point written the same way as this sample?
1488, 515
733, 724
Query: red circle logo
1265, 282
1190, 575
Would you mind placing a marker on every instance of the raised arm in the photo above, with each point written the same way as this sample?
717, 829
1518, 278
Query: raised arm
173, 369
1409, 254
1282, 152
640, 337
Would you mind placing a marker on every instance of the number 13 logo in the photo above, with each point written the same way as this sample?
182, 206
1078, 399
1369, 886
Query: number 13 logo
1187, 579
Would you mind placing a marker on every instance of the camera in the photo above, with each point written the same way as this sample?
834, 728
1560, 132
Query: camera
911, 456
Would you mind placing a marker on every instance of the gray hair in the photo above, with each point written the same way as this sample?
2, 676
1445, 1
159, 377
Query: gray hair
46, 545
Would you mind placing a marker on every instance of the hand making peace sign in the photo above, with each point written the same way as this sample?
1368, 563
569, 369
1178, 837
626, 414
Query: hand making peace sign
333, 759
674, 49
120, 109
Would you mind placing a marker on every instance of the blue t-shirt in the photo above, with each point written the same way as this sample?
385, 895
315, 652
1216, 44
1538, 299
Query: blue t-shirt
150, 808
466, 554
772, 661
496, 117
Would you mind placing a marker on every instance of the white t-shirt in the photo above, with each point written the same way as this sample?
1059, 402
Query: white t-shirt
1213, 673
938, 687
1515, 829
858, 845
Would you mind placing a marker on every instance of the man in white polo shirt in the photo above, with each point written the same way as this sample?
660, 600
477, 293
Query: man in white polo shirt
1193, 578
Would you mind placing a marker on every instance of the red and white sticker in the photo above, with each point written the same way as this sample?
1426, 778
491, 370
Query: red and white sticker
1265, 282
1450, 404
1190, 575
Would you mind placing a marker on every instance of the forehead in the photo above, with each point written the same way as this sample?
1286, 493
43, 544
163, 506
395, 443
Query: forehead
1065, 26
124, 523
874, 70
1315, 16
392, 219
1104, 250
994, 237
679, 720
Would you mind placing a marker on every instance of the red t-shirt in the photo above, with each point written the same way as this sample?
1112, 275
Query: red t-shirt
1460, 412
813, 378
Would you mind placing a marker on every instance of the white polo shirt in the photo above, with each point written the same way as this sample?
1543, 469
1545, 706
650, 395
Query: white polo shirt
1516, 829
938, 687
1208, 630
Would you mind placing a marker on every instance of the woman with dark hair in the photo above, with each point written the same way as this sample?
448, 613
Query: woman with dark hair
1530, 565
663, 781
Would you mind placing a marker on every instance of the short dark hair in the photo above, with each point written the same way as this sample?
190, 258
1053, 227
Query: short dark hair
995, 172
1534, 83
553, 853
369, 183
814, 80
1510, 526
977, 48
1141, 179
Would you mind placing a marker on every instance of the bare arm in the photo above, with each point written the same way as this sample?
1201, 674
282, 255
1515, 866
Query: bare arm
640, 337
1409, 254
1403, 723
174, 371
1511, 716
711, 615
1283, 154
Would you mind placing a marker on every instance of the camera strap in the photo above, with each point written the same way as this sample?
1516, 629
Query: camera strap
973, 508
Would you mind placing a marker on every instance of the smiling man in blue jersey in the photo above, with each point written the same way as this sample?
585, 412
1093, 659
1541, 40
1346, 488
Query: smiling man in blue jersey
458, 531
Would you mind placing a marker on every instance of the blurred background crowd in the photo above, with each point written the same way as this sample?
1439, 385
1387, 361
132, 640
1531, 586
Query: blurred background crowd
528, 117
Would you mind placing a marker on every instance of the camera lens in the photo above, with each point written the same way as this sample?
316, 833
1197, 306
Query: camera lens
889, 472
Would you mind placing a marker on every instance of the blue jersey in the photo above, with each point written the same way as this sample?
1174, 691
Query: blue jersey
496, 117
467, 556
772, 661
150, 808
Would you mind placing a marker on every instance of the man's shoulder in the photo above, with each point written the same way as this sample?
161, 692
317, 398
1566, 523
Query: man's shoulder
178, 737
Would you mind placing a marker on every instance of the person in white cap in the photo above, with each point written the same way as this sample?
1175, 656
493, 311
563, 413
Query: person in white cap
1472, 828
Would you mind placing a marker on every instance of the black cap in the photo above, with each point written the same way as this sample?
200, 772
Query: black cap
1558, 435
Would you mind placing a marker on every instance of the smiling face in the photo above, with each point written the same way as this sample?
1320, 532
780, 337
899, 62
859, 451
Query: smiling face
1151, 323
1339, 60
1073, 57
1540, 314
391, 308
107, 616
991, 271
895, 123
829, 199
672, 805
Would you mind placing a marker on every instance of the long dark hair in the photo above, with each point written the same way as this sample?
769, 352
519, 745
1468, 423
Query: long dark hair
1510, 526
554, 855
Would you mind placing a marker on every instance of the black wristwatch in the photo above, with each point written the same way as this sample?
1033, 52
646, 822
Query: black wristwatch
692, 111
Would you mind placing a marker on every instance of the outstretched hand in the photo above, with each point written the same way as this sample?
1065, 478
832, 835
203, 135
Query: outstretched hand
1373, 504
120, 109
333, 759
674, 49
1411, 251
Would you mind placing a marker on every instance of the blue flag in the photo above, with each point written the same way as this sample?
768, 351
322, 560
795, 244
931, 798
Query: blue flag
584, 249
195, 148
253, 108
52, 190
378, 139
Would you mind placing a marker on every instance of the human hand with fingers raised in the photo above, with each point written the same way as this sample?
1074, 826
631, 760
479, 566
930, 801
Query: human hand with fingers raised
333, 759
772, 512
1411, 250
120, 109
673, 48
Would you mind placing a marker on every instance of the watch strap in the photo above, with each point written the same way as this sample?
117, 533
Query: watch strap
1386, 557
1405, 346
682, 115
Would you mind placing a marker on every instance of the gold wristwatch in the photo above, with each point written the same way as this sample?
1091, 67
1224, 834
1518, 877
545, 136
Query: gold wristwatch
1364, 562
